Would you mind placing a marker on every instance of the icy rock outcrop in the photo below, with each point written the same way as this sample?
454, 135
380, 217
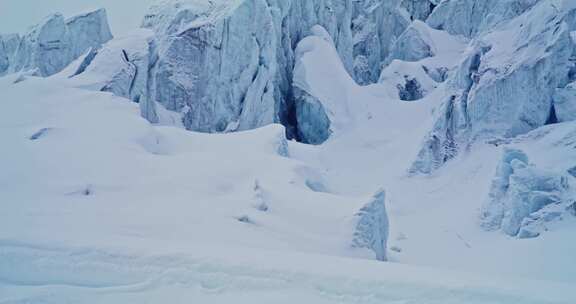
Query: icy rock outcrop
523, 198
372, 227
53, 44
470, 17
502, 90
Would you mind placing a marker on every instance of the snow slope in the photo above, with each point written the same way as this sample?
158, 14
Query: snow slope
98, 205
434, 219
118, 210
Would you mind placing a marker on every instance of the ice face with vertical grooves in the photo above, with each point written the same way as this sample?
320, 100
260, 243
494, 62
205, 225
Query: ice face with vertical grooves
52, 45
4, 60
201, 48
533, 188
88, 31
251, 44
506, 84
8, 46
471, 17
372, 226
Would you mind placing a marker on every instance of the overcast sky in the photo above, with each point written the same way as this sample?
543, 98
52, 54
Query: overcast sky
17, 15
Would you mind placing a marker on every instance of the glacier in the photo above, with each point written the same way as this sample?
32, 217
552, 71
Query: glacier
52, 45
469, 17
524, 198
228, 151
533, 187
197, 40
505, 85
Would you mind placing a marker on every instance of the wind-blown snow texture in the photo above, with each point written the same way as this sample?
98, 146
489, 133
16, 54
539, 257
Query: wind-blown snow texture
462, 113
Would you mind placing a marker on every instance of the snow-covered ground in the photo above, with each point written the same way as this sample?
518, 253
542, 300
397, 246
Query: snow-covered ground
100, 206
97, 205
435, 219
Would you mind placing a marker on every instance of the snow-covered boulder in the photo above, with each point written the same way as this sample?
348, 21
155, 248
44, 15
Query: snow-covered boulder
524, 198
372, 227
54, 43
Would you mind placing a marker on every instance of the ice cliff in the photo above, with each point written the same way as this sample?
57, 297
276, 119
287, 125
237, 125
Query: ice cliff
228, 65
206, 47
508, 80
53, 44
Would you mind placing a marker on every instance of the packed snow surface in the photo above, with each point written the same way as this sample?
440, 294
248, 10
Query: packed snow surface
117, 210
407, 196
